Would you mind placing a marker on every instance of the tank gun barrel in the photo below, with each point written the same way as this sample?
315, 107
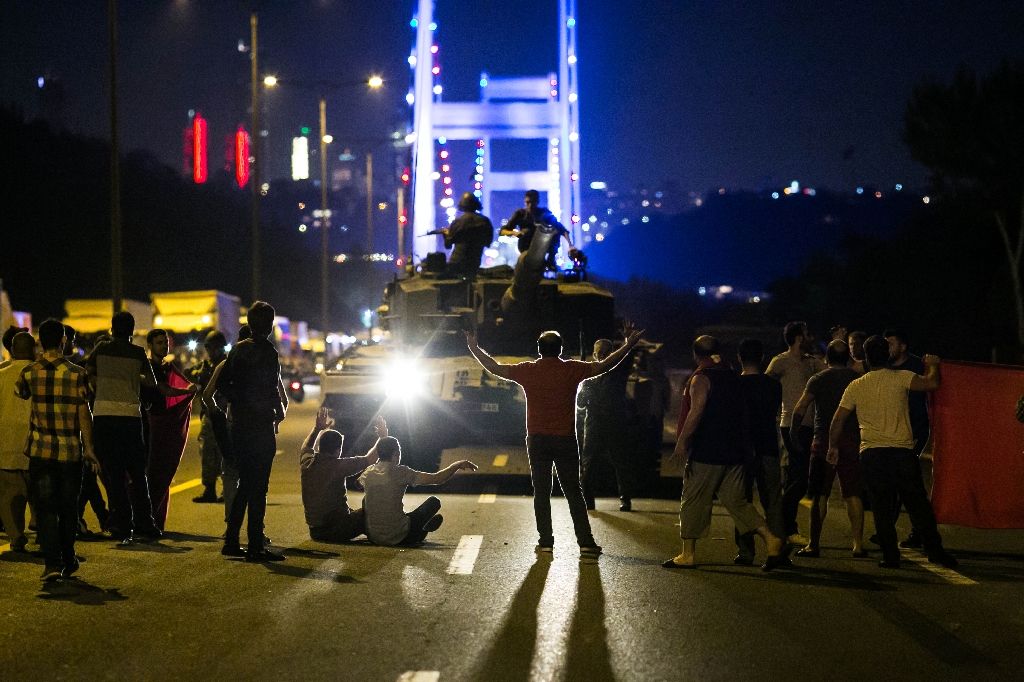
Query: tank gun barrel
529, 268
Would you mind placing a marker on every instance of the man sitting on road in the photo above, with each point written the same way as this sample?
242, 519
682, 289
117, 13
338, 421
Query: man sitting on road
323, 472
385, 482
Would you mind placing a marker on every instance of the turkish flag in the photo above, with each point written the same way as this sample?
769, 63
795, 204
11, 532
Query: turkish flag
978, 446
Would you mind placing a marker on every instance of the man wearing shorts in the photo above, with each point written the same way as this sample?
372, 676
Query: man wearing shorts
824, 390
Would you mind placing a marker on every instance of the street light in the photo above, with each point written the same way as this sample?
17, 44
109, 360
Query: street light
374, 83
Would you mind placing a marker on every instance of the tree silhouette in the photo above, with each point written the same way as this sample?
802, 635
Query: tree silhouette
970, 135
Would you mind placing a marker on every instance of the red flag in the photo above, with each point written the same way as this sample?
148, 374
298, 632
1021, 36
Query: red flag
978, 446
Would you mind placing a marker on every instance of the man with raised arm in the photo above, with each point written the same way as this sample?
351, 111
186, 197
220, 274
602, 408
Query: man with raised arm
387, 522
550, 384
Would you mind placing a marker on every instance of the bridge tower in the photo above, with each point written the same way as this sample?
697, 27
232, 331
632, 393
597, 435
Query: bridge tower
540, 107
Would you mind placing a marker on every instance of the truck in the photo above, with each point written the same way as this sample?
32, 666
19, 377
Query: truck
196, 312
435, 396
92, 315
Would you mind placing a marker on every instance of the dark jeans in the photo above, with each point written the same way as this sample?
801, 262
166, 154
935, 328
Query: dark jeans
921, 434
418, 518
55, 487
562, 453
91, 495
795, 476
254, 444
895, 471
766, 473
614, 444
121, 450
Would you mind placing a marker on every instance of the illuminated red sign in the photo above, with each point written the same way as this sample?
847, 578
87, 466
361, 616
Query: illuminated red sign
241, 157
199, 168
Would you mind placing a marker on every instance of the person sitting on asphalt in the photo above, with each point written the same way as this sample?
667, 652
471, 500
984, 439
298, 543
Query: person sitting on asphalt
385, 482
323, 471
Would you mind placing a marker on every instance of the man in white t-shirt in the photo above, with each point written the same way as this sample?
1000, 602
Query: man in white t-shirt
879, 399
385, 482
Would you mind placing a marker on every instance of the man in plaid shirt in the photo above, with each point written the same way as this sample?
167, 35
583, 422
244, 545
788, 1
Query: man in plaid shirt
60, 436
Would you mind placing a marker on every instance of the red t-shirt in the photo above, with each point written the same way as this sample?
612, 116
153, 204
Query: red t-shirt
550, 385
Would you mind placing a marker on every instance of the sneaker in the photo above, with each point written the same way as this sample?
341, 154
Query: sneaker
591, 505
209, 496
913, 541
545, 547
626, 504
797, 539
433, 523
20, 545
590, 550
741, 560
50, 574
263, 556
232, 549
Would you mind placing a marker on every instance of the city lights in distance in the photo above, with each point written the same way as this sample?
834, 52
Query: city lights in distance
926, 200
409, 99
303, 227
438, 90
328, 139
598, 184
375, 82
40, 82
270, 81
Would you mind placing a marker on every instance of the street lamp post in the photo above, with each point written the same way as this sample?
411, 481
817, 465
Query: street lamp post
255, 151
324, 242
374, 82
116, 273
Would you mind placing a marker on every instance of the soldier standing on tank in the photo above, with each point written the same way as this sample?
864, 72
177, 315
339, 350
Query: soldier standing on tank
467, 236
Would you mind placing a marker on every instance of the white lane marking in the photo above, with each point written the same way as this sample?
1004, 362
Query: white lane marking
420, 676
947, 574
487, 498
465, 555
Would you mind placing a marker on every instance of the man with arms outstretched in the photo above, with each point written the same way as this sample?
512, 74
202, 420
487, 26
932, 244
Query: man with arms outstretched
550, 384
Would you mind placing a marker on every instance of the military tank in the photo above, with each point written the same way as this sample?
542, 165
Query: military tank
422, 379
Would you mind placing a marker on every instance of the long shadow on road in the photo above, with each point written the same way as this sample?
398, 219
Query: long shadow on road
511, 655
589, 658
78, 591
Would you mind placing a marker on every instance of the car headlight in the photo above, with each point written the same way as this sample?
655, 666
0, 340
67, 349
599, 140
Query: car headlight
404, 380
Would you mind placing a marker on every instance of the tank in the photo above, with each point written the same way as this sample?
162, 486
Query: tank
435, 395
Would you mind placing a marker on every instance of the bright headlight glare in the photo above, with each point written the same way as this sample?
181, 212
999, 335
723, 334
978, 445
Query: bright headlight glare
404, 380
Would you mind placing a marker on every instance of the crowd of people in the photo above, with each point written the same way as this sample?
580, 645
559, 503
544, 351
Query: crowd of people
120, 416
859, 415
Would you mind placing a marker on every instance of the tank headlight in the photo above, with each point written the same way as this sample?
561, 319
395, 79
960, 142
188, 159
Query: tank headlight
404, 380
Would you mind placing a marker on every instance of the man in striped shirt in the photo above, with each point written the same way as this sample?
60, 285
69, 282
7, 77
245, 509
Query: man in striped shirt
60, 436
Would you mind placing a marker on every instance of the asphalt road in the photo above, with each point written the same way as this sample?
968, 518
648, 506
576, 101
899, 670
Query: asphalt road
476, 603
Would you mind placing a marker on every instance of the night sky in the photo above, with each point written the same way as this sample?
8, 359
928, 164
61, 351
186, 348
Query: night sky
709, 94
